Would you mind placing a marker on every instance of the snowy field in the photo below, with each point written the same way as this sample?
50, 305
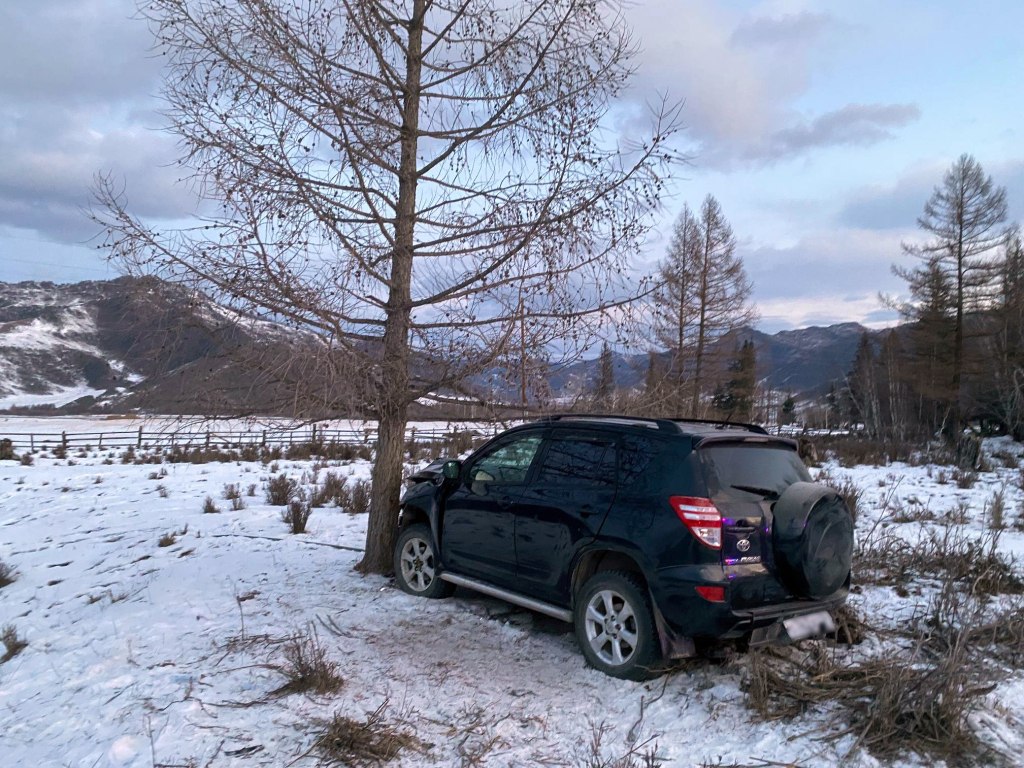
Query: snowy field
146, 655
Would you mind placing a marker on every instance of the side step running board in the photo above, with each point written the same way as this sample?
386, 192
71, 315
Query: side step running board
563, 614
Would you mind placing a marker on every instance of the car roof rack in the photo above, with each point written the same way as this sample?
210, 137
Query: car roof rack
665, 425
724, 424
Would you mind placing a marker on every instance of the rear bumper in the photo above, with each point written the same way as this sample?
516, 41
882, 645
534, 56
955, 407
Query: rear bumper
754, 600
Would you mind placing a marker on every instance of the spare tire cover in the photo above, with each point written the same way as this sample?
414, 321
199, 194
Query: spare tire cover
813, 539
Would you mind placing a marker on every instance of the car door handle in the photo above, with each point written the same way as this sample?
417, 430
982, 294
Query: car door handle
505, 502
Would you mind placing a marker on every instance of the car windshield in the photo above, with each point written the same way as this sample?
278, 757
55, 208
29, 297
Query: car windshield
763, 470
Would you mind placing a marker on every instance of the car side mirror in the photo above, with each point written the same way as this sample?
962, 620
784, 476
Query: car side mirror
451, 469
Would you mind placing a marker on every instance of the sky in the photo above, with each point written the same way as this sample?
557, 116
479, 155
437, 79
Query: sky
821, 128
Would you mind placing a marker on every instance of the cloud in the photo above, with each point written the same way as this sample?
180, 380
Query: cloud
852, 125
825, 278
76, 98
75, 51
789, 29
900, 204
49, 157
740, 77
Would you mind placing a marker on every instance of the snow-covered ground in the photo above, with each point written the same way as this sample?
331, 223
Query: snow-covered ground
147, 655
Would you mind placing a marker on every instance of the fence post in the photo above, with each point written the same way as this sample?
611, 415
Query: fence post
264, 438
139, 443
207, 439
32, 443
64, 439
313, 440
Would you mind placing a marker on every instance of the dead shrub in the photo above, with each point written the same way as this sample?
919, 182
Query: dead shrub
976, 563
898, 703
166, 540
231, 491
846, 488
7, 450
307, 667
281, 490
851, 629
639, 753
912, 512
27, 460
12, 643
964, 478
374, 741
210, 507
297, 514
333, 490
996, 510
1009, 459
359, 498
7, 574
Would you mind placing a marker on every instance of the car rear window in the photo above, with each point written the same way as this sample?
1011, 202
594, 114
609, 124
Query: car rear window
755, 467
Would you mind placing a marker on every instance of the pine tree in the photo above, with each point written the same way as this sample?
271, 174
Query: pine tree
964, 220
734, 399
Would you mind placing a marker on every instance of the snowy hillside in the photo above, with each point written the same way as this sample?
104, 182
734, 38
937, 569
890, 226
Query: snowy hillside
158, 635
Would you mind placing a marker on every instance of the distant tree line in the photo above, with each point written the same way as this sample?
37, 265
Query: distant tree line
957, 358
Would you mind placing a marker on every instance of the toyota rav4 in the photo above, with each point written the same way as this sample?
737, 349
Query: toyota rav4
651, 536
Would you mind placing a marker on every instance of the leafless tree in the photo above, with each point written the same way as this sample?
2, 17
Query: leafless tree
1006, 352
704, 294
964, 218
409, 179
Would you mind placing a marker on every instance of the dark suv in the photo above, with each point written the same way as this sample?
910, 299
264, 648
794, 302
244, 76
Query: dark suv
652, 536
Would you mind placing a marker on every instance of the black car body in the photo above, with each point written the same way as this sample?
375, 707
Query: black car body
701, 530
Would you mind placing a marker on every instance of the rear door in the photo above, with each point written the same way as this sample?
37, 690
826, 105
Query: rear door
478, 528
563, 508
744, 479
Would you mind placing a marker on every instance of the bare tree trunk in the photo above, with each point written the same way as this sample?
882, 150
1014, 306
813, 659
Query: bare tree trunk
386, 480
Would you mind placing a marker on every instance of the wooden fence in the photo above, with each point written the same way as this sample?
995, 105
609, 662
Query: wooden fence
142, 439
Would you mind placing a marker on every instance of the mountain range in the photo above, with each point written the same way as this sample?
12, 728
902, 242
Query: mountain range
141, 344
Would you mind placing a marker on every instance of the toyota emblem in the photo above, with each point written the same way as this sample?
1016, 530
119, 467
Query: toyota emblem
743, 545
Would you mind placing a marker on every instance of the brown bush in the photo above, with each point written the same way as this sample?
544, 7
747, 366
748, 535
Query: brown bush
374, 741
297, 514
12, 643
307, 667
281, 490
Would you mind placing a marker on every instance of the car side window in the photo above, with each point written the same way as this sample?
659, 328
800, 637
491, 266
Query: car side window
578, 461
508, 463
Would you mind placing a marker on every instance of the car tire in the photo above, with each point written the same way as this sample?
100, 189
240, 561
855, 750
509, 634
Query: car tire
615, 626
812, 539
416, 563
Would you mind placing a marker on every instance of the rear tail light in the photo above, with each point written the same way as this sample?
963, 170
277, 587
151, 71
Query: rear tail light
712, 594
701, 516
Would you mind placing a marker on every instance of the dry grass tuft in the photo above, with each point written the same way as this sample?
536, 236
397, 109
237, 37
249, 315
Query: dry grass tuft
12, 642
7, 574
638, 753
307, 667
371, 742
